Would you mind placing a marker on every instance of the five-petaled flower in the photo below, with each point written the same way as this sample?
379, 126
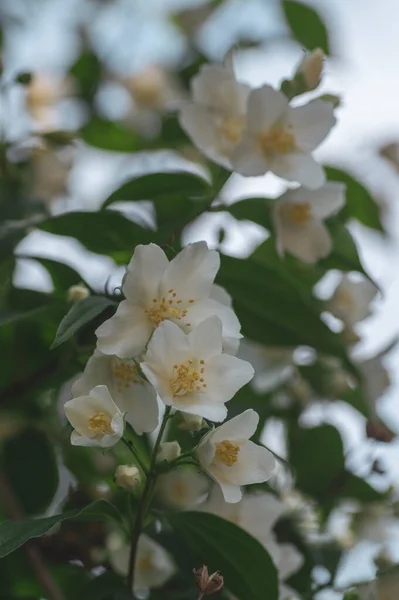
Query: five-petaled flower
96, 419
231, 459
130, 392
190, 372
351, 300
298, 220
157, 290
280, 138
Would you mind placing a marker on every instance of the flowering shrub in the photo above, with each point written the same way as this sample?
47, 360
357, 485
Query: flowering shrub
148, 414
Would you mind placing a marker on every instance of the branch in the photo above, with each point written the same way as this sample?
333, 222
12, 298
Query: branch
33, 553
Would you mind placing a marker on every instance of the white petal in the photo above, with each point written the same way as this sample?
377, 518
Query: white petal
160, 382
80, 440
231, 493
142, 408
311, 123
169, 345
203, 309
290, 560
260, 512
160, 569
255, 464
144, 274
309, 243
266, 106
206, 338
248, 160
192, 272
126, 333
219, 294
199, 125
241, 427
79, 410
298, 166
217, 88
97, 372
327, 200
225, 375
206, 450
194, 405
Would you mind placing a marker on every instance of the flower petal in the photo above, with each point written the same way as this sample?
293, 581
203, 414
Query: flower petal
290, 560
142, 410
309, 243
225, 375
219, 294
248, 160
206, 338
241, 427
266, 106
213, 412
327, 200
255, 464
231, 493
169, 345
126, 333
311, 123
216, 87
201, 310
192, 272
144, 274
97, 372
298, 166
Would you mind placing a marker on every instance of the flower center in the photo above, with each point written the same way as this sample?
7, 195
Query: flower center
100, 423
276, 140
181, 491
299, 214
125, 373
345, 298
145, 563
231, 128
167, 307
186, 378
227, 452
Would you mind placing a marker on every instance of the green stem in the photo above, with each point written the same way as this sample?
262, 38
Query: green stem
129, 445
145, 500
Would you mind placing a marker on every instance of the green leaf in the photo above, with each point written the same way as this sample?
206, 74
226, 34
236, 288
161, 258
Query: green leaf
252, 209
317, 457
14, 534
359, 203
87, 71
246, 566
31, 468
306, 26
80, 314
104, 232
359, 489
108, 135
107, 586
157, 185
344, 255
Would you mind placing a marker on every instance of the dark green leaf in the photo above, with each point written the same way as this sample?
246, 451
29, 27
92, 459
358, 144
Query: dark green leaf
359, 489
14, 534
252, 209
87, 72
108, 135
246, 566
80, 314
156, 185
105, 587
104, 232
306, 26
359, 203
344, 255
31, 468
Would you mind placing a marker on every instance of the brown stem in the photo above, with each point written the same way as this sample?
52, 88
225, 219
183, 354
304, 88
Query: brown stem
33, 553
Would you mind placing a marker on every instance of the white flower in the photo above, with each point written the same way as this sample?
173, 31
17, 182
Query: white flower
157, 290
168, 451
273, 365
190, 373
287, 560
298, 220
153, 566
375, 378
131, 393
256, 513
127, 477
228, 456
311, 68
96, 419
215, 119
280, 138
182, 488
351, 300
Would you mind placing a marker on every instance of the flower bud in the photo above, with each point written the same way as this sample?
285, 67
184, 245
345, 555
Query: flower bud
127, 477
191, 422
77, 292
168, 451
311, 68
208, 584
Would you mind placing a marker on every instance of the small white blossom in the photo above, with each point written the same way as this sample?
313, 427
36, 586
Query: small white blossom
153, 565
351, 300
190, 373
273, 365
215, 119
181, 489
168, 451
131, 393
127, 477
311, 68
157, 290
231, 459
280, 138
298, 220
96, 419
191, 422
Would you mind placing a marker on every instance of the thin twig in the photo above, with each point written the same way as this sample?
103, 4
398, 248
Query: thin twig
33, 553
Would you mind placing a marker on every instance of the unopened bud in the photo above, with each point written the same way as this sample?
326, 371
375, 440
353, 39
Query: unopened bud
311, 68
191, 422
208, 584
168, 451
127, 477
77, 292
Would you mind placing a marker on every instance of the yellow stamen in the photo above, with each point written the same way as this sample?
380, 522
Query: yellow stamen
100, 423
227, 453
144, 564
231, 128
185, 379
165, 308
125, 374
299, 214
276, 140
